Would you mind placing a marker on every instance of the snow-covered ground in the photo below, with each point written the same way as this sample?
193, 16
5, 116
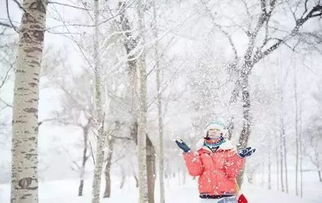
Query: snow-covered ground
65, 191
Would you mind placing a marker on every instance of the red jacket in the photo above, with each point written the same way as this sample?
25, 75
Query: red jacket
217, 171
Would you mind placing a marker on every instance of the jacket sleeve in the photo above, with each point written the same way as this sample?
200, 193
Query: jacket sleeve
193, 163
234, 164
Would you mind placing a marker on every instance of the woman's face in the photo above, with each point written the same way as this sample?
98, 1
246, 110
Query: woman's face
214, 133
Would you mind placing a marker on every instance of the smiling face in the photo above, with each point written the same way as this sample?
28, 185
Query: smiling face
214, 133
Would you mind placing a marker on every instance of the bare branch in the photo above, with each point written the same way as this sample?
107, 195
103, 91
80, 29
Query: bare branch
19, 5
251, 59
118, 159
226, 34
6, 104
9, 18
5, 25
113, 16
263, 6
46, 120
305, 6
315, 12
68, 5
247, 9
92, 152
121, 138
261, 54
6, 76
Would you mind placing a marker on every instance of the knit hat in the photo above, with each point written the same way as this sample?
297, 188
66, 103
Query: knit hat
216, 125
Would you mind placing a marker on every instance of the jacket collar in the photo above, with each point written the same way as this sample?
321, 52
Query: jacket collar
227, 145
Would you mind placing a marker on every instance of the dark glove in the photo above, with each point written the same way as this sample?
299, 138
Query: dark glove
246, 152
182, 145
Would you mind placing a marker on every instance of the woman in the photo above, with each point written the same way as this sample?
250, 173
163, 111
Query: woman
217, 163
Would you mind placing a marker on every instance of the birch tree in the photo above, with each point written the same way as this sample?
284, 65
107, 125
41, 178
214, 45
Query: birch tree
254, 53
99, 160
262, 42
142, 109
313, 135
24, 179
283, 149
135, 51
159, 104
297, 142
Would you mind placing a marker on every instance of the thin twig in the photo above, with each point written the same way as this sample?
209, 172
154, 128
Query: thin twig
68, 5
5, 25
6, 76
9, 18
19, 5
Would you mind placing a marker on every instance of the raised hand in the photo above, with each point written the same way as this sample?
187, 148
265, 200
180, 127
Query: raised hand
246, 152
182, 145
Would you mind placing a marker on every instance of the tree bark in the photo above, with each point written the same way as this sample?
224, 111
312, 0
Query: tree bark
282, 129
245, 133
110, 145
230, 128
151, 173
296, 136
160, 116
24, 177
142, 124
84, 159
285, 164
136, 181
281, 156
99, 160
122, 178
300, 151
107, 172
277, 164
137, 70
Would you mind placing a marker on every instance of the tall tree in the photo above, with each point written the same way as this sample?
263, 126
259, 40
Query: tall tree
262, 42
297, 142
108, 165
134, 47
141, 93
159, 104
85, 132
24, 179
283, 150
99, 160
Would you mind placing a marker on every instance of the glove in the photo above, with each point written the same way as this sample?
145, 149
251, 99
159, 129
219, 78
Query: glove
246, 152
182, 145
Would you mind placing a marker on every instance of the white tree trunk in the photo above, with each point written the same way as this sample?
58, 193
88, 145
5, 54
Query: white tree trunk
269, 171
160, 116
142, 121
282, 125
281, 155
300, 151
296, 135
84, 158
277, 163
99, 114
24, 178
108, 165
